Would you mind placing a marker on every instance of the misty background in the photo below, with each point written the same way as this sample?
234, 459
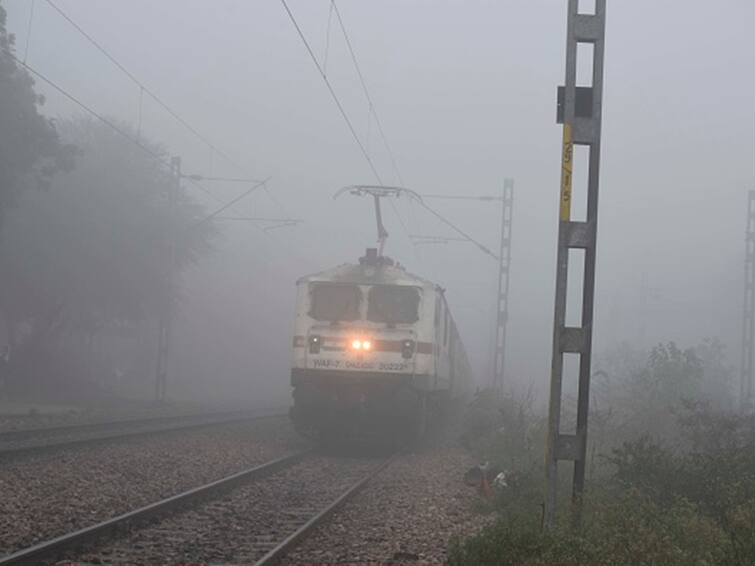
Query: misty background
465, 92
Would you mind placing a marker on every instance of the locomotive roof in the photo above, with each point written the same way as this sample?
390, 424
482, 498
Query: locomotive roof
368, 274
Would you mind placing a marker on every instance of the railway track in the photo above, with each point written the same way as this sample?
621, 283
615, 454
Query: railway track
25, 441
309, 523
267, 510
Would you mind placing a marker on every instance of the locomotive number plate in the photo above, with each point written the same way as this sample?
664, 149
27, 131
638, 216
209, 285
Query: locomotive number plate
361, 364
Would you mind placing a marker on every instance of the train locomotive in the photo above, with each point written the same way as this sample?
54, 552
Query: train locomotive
375, 352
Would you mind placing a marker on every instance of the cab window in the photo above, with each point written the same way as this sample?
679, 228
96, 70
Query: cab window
335, 302
393, 304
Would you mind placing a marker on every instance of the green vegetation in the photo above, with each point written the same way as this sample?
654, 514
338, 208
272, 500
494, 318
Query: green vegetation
30, 150
671, 473
82, 262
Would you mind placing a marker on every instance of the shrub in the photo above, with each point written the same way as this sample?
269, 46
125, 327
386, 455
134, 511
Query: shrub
631, 530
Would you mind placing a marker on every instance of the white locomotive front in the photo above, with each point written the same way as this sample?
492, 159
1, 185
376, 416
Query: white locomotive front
374, 347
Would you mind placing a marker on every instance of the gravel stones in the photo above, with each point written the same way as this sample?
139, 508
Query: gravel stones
406, 515
49, 494
243, 525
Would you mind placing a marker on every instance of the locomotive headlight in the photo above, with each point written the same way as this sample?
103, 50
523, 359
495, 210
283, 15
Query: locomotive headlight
407, 349
314, 344
359, 344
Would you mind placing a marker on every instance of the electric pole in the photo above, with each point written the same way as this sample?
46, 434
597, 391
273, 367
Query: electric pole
748, 308
166, 309
165, 322
502, 297
504, 266
579, 109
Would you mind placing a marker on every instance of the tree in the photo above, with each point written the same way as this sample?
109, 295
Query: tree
30, 150
647, 398
718, 386
91, 253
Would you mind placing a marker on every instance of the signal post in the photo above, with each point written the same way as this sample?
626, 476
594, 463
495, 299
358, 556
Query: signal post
579, 110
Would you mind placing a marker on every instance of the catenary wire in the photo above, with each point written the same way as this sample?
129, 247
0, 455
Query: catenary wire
459, 231
372, 111
367, 93
145, 90
232, 202
139, 83
149, 152
333, 94
366, 155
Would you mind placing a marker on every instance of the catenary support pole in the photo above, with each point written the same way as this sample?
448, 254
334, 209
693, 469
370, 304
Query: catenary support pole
748, 309
165, 322
502, 295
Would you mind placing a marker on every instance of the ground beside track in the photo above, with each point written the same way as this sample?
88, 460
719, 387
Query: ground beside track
49, 494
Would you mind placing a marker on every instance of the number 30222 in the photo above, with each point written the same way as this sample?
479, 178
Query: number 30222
393, 366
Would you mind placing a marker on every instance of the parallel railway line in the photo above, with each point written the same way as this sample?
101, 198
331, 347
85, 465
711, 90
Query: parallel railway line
275, 504
34, 440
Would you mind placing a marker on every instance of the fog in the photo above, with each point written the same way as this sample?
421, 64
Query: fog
465, 93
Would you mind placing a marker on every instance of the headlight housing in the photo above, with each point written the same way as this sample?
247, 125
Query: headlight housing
407, 349
314, 344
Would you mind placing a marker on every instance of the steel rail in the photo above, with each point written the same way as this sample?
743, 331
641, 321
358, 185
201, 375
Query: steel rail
55, 547
172, 424
20, 433
277, 553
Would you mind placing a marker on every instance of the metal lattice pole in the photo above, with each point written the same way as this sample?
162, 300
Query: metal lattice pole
748, 308
502, 303
165, 321
580, 111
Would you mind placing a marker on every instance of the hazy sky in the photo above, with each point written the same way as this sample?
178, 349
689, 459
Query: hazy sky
465, 92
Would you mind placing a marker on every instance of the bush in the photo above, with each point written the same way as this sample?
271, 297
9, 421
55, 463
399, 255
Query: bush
631, 530
683, 497
715, 475
741, 528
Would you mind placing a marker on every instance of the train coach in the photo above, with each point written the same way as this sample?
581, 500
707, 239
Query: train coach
375, 352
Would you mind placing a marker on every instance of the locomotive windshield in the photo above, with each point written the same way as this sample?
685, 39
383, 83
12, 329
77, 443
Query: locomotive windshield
335, 301
393, 304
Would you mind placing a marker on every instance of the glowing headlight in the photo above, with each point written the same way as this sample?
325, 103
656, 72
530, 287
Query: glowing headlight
357, 344
314, 344
366, 344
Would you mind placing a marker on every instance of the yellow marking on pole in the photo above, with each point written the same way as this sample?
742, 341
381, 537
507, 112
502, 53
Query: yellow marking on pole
567, 160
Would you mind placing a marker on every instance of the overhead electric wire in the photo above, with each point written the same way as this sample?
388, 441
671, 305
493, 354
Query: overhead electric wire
231, 203
458, 230
372, 110
88, 109
400, 220
259, 219
28, 30
139, 83
144, 89
154, 155
365, 153
333, 94
356, 137
459, 197
225, 179
367, 92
